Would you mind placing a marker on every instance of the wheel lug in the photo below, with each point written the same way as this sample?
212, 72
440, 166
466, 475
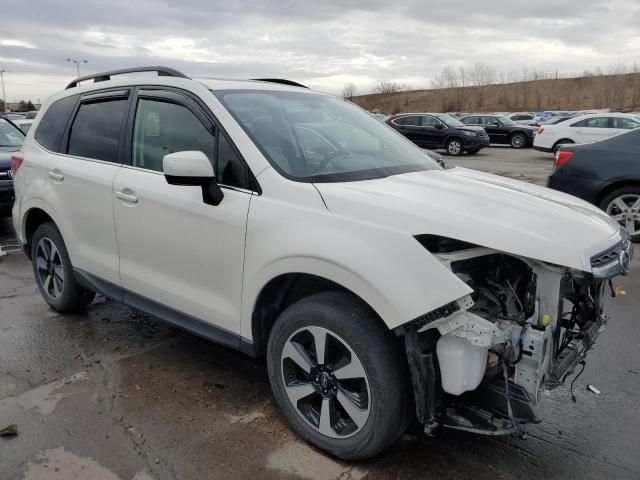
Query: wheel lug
324, 391
317, 379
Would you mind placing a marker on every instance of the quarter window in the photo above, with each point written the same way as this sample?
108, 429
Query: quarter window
95, 132
51, 127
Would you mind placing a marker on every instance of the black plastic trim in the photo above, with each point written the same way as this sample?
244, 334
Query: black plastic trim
150, 307
104, 76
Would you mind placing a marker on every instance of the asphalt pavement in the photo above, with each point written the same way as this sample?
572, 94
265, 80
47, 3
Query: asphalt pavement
109, 394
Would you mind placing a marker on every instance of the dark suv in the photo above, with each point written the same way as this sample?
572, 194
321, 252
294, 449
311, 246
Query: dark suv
503, 130
437, 130
11, 138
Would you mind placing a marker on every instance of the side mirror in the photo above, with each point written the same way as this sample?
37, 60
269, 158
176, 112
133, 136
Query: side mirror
193, 168
496, 124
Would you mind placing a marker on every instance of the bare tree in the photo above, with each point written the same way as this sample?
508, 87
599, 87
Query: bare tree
482, 74
618, 68
387, 86
349, 91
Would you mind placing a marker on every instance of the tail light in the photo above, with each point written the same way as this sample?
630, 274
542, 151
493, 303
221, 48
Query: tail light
540, 130
16, 162
562, 157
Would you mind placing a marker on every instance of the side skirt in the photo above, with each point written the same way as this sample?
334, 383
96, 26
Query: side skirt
150, 307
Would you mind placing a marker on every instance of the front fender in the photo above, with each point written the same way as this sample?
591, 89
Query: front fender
386, 268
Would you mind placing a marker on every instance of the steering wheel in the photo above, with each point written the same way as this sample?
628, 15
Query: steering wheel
331, 157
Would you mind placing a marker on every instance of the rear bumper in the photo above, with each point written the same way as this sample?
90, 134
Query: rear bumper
543, 149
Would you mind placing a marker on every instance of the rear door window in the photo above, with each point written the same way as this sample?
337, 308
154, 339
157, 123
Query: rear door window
597, 122
411, 121
96, 130
429, 121
52, 126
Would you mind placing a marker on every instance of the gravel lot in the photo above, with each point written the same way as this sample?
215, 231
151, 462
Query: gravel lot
109, 394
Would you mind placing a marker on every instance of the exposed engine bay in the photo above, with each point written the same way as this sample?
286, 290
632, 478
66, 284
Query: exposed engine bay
481, 363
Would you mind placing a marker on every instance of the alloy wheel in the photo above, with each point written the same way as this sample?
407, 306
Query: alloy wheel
326, 382
454, 147
625, 209
517, 141
49, 268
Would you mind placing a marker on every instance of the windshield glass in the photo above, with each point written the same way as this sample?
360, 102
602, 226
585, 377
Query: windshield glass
319, 138
10, 136
450, 121
506, 121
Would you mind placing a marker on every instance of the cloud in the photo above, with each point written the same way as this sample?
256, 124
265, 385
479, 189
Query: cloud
323, 44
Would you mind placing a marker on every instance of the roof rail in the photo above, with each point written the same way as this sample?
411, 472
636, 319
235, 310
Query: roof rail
280, 80
104, 76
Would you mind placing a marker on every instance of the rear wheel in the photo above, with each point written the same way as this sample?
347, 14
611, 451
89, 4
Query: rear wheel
454, 147
624, 206
338, 375
518, 140
559, 143
53, 271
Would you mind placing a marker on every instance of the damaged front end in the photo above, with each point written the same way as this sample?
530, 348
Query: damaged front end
480, 363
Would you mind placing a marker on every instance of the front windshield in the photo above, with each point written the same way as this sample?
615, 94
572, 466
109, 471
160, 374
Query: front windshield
318, 138
506, 121
450, 121
10, 136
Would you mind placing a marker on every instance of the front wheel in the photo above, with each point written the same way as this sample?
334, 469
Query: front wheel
338, 376
624, 206
53, 271
454, 147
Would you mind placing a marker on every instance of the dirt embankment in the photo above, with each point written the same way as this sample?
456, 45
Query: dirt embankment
602, 91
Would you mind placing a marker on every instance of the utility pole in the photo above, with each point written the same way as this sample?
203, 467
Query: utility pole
4, 96
77, 62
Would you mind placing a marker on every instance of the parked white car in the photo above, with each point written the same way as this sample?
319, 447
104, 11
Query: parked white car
289, 223
584, 129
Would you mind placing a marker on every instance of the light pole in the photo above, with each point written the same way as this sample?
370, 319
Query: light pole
4, 96
77, 62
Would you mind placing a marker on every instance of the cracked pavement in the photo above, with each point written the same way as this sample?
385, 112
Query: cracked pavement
108, 394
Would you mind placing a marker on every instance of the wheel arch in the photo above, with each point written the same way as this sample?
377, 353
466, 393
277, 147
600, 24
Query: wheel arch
563, 139
32, 219
284, 290
612, 187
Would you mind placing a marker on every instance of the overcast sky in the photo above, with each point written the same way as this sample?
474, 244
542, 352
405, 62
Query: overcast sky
322, 43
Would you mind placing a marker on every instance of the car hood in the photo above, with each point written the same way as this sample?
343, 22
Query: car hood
488, 210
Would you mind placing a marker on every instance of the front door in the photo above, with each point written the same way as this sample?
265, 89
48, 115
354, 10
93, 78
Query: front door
176, 250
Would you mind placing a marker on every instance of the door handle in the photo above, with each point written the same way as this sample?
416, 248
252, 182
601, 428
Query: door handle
56, 175
127, 197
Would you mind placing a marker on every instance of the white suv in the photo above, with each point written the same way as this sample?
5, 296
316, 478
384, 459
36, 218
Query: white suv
280, 221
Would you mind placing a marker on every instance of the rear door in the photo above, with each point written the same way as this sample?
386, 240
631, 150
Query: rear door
80, 181
410, 127
591, 130
175, 250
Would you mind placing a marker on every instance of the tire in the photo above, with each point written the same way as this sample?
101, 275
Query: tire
559, 143
518, 140
378, 375
53, 271
473, 151
623, 205
454, 146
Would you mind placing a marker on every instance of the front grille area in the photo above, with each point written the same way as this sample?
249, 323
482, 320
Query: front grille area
606, 257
